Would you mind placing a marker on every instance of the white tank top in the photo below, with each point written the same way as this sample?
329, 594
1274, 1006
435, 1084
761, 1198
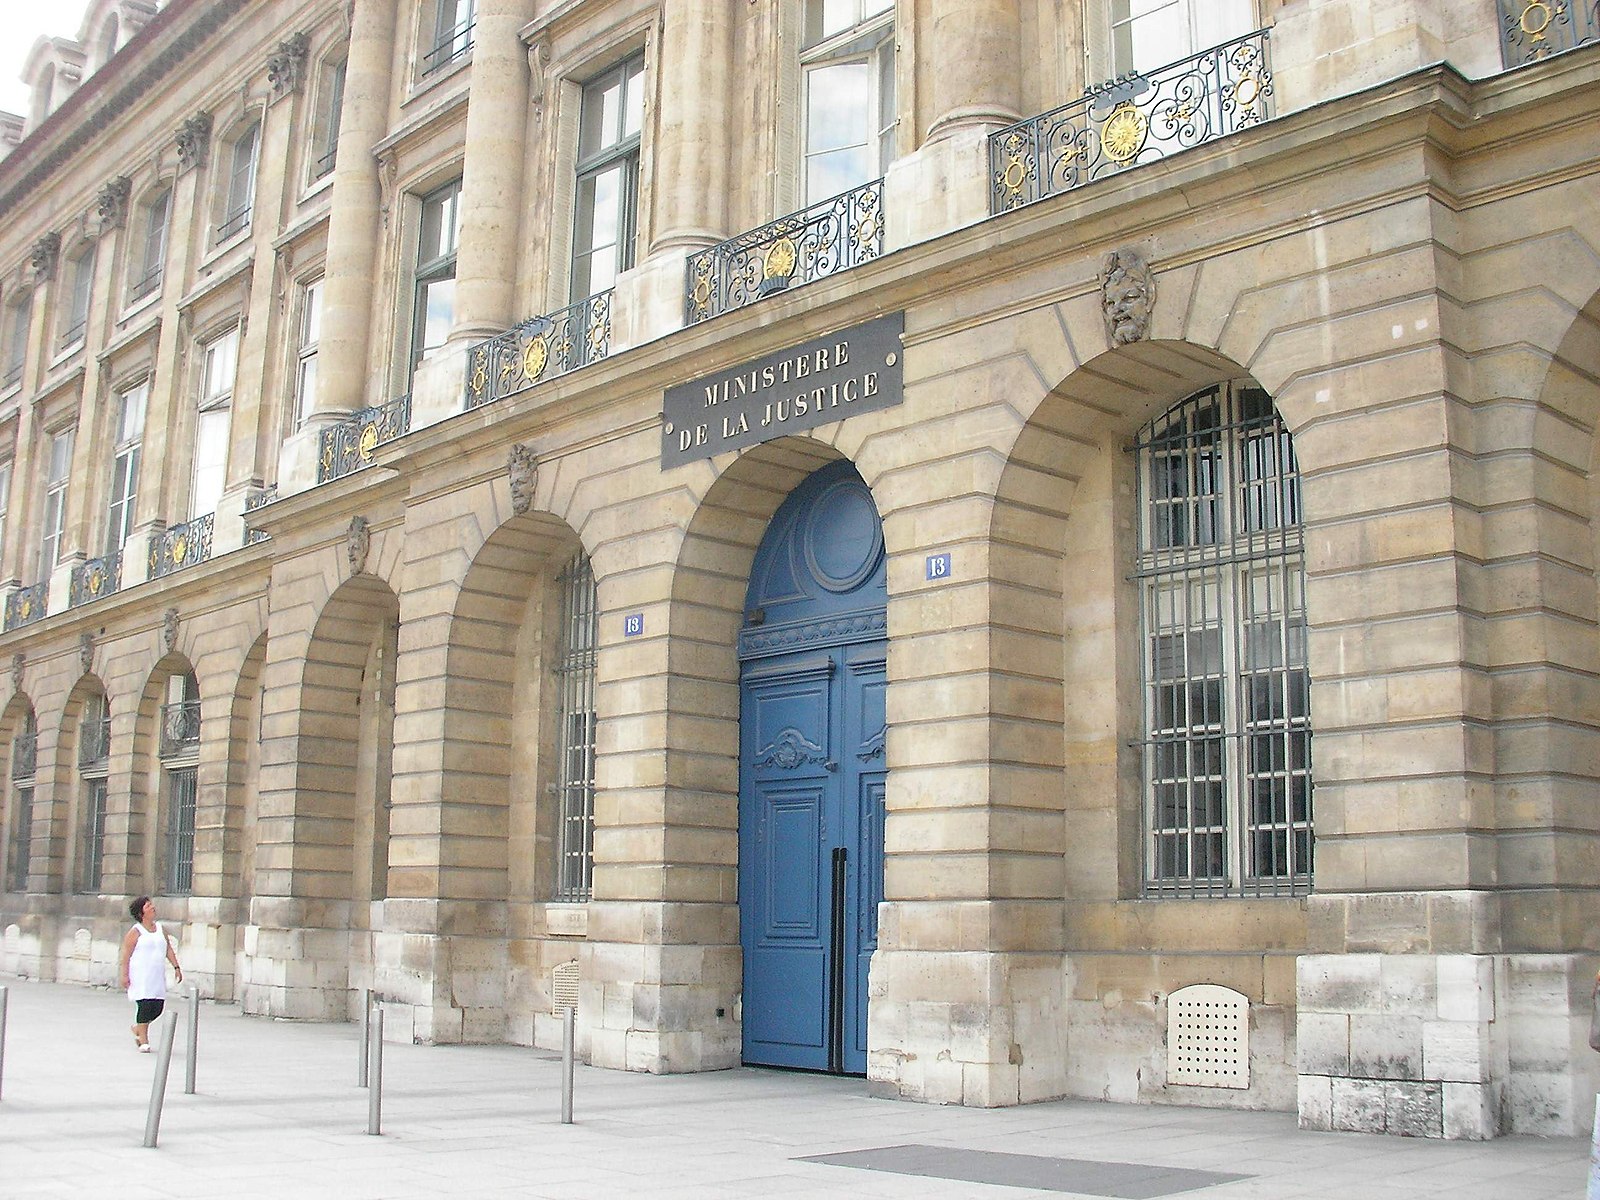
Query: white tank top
147, 965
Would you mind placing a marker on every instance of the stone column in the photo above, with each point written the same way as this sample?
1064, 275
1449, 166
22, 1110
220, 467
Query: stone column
689, 206
491, 207
491, 179
972, 65
354, 234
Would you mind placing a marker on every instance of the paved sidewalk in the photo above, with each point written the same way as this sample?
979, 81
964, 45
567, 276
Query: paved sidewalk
277, 1114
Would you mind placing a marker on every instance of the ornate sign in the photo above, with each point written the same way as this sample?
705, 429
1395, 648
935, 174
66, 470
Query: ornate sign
825, 379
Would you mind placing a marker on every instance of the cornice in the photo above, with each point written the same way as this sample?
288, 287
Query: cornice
111, 93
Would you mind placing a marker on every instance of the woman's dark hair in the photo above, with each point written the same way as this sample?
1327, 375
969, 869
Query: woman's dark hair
137, 907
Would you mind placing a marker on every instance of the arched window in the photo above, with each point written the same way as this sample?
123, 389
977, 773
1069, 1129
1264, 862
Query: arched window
1226, 694
575, 661
94, 760
180, 751
24, 757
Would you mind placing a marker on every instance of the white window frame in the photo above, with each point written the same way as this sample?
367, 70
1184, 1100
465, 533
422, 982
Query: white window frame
75, 312
435, 269
19, 321
1200, 28
126, 453
214, 412
329, 117
447, 34
615, 150
5, 503
310, 333
53, 523
156, 214
237, 201
868, 41
1226, 738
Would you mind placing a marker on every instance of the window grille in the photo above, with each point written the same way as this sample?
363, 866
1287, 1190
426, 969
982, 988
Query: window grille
1227, 728
21, 839
92, 863
575, 672
182, 791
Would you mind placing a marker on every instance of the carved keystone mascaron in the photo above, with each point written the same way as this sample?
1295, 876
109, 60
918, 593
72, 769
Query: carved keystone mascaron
1127, 296
523, 470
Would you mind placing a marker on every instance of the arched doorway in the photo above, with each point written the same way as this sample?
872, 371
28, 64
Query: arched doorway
811, 753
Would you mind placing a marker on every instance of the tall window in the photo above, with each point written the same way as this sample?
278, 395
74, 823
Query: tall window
150, 252
94, 757
608, 178
55, 502
219, 362
19, 315
180, 744
451, 35
241, 192
1146, 34
24, 753
434, 302
1221, 564
5, 503
330, 110
848, 94
305, 372
575, 659
128, 440
75, 313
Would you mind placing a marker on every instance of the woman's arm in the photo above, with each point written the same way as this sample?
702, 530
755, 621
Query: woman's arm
127, 951
172, 956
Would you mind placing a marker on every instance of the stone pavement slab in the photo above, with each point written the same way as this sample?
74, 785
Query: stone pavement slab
277, 1113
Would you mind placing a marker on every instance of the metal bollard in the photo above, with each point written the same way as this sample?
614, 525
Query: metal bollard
194, 1040
375, 1090
158, 1085
366, 1036
569, 1023
5, 994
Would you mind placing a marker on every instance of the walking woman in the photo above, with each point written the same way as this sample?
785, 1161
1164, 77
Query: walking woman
145, 953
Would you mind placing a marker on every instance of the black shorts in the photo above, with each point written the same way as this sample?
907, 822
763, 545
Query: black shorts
148, 1011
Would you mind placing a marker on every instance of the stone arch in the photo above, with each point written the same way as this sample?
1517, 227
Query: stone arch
16, 720
498, 713
66, 774
154, 744
243, 772
1058, 553
347, 680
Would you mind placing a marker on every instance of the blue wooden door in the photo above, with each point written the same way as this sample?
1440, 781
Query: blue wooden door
812, 776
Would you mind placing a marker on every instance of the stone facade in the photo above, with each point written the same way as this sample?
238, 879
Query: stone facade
1401, 253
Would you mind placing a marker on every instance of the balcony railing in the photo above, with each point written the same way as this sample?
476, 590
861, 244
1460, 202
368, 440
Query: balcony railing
94, 743
180, 728
12, 376
181, 546
234, 222
24, 755
144, 285
73, 334
348, 446
1130, 121
95, 579
259, 498
452, 44
829, 236
1535, 29
538, 349
26, 605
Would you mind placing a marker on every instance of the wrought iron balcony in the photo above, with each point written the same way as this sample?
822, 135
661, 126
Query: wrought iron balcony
181, 546
144, 285
94, 742
259, 498
1131, 121
540, 348
95, 579
234, 222
26, 605
180, 728
1535, 29
452, 45
348, 446
73, 334
24, 755
829, 236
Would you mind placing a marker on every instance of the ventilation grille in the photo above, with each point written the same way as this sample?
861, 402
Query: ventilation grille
564, 987
1208, 1037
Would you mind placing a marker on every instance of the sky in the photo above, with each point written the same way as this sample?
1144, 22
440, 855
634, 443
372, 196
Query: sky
22, 22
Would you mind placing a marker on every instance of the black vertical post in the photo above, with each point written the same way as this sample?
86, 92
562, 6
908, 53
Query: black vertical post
836, 951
